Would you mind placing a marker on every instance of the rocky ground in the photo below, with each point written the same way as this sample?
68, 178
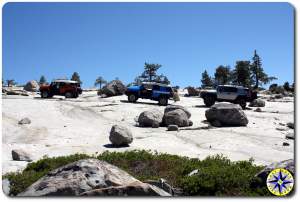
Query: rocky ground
60, 126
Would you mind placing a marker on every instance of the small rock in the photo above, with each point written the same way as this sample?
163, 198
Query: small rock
285, 144
280, 129
282, 124
290, 125
257, 103
120, 135
194, 172
20, 155
173, 128
24, 121
191, 123
290, 136
258, 110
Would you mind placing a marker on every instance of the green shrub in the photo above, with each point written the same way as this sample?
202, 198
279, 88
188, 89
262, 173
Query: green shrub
217, 175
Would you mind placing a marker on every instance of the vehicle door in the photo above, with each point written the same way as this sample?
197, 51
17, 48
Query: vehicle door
227, 93
55, 88
146, 91
156, 91
62, 88
220, 93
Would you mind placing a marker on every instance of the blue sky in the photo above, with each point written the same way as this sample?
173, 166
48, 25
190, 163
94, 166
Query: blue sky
116, 39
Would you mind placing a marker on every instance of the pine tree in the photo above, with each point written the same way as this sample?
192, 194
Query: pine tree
222, 75
76, 77
42, 80
150, 71
241, 73
258, 75
206, 80
286, 86
99, 81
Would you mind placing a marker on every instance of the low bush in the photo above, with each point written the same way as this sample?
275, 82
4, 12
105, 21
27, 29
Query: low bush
217, 175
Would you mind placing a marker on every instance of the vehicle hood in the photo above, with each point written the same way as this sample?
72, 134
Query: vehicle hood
133, 88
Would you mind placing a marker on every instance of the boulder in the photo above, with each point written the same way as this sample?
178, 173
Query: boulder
176, 117
113, 88
120, 135
162, 184
193, 91
152, 118
287, 164
173, 128
290, 125
78, 177
20, 155
285, 144
226, 114
133, 189
174, 107
32, 86
257, 103
24, 121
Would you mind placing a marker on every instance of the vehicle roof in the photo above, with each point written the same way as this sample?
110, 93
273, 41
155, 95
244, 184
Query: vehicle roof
64, 81
154, 83
241, 87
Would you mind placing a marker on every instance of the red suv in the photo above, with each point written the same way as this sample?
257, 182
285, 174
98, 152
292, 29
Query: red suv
67, 88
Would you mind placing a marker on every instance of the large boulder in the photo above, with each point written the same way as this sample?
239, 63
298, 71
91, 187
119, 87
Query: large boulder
174, 107
133, 189
226, 114
76, 178
152, 118
176, 117
32, 86
113, 88
286, 164
257, 103
120, 135
20, 155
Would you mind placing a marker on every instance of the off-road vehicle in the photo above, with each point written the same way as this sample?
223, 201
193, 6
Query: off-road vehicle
150, 90
228, 93
67, 88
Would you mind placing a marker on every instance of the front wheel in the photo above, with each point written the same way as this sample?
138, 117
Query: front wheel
163, 101
68, 95
242, 103
209, 101
132, 98
44, 94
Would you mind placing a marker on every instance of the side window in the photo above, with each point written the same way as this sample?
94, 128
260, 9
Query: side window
220, 89
232, 90
62, 84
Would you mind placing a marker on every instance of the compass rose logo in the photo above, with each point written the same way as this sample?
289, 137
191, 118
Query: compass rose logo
280, 182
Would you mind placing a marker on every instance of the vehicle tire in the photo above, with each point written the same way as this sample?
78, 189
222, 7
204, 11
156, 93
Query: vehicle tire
242, 102
209, 101
44, 94
132, 98
163, 101
69, 95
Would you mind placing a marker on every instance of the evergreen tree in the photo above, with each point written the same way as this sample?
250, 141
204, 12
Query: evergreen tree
258, 76
241, 73
286, 86
222, 75
99, 81
206, 80
150, 71
11, 82
42, 80
76, 77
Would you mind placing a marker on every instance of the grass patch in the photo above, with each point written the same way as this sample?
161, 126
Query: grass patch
217, 175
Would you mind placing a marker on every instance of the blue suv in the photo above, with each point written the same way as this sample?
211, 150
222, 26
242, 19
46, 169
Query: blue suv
148, 90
